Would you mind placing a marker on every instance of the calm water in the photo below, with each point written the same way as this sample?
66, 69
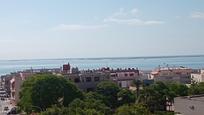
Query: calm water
146, 63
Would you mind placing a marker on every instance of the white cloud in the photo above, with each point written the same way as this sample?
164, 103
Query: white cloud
133, 21
134, 11
197, 15
121, 17
151, 22
130, 18
77, 27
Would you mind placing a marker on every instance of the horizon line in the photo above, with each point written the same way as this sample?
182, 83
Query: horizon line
98, 58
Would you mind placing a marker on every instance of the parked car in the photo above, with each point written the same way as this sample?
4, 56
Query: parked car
12, 111
6, 108
3, 99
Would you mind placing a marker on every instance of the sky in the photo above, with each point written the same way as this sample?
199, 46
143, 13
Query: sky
41, 29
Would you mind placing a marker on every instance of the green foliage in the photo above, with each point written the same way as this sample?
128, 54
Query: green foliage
69, 111
196, 88
178, 89
41, 91
90, 104
137, 84
53, 111
94, 95
135, 109
109, 90
125, 96
156, 96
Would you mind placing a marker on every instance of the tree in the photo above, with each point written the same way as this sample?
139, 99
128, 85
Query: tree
196, 88
94, 95
178, 89
125, 96
54, 111
89, 104
156, 96
135, 109
41, 91
109, 90
69, 111
137, 84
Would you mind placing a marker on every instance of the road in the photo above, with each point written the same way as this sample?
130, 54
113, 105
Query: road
3, 104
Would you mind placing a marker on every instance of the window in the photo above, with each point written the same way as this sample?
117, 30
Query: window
96, 78
76, 80
178, 73
88, 79
126, 74
131, 74
120, 84
113, 75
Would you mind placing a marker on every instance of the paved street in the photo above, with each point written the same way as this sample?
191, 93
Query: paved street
3, 104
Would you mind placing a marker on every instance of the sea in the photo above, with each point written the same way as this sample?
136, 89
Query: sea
142, 63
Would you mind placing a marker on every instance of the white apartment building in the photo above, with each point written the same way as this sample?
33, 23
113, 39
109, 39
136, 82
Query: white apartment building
198, 77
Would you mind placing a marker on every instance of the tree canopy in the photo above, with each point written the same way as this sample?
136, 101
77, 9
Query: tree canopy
126, 96
178, 89
196, 88
109, 90
134, 109
41, 91
58, 96
80, 107
156, 96
90, 104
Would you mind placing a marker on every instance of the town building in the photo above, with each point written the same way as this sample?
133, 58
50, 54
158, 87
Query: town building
197, 77
66, 68
189, 105
15, 85
87, 80
6, 83
124, 77
172, 74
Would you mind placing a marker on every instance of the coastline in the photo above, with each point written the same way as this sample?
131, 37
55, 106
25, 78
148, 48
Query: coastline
142, 63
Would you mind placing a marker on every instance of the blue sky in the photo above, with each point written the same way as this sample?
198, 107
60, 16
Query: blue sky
100, 28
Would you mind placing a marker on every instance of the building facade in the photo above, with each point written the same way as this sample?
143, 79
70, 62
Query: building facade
124, 77
176, 74
87, 80
6, 83
15, 85
197, 77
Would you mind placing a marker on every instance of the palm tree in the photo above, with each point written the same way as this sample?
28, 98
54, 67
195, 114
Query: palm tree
137, 84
